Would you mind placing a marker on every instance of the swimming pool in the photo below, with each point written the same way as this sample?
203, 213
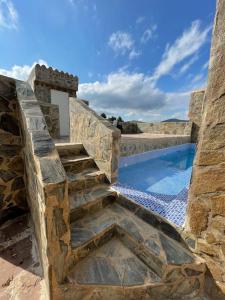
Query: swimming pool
159, 180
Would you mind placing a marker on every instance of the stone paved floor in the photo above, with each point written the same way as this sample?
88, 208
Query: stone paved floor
20, 269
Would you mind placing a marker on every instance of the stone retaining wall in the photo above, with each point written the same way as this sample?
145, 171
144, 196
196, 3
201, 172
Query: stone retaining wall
206, 209
99, 137
130, 146
47, 191
12, 188
176, 128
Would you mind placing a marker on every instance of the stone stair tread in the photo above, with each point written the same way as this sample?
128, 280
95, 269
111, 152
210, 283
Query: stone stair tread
76, 158
68, 145
85, 174
86, 197
85, 230
112, 264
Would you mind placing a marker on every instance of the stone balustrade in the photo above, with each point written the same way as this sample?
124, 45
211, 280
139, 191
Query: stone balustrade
47, 189
100, 139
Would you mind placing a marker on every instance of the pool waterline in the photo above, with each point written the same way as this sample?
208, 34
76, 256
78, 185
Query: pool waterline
159, 180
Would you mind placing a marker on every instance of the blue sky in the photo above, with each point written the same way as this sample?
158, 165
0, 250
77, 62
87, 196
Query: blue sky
139, 59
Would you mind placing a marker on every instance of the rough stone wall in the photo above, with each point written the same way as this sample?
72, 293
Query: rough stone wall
12, 188
42, 81
130, 146
206, 209
179, 128
51, 114
47, 190
99, 137
196, 109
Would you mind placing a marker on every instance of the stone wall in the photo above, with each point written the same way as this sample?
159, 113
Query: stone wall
196, 109
12, 188
42, 81
177, 128
51, 114
206, 208
47, 191
99, 137
132, 145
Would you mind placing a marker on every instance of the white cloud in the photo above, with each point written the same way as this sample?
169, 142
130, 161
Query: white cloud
122, 43
148, 34
134, 53
187, 65
8, 15
185, 46
133, 96
140, 19
205, 66
21, 72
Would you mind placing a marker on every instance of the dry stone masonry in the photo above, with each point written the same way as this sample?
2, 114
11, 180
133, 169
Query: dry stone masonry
206, 211
42, 81
99, 137
196, 109
12, 188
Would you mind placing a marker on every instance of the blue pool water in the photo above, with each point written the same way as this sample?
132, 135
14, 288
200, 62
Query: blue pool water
159, 180
167, 174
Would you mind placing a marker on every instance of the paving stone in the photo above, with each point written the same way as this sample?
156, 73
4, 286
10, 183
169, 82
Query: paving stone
174, 253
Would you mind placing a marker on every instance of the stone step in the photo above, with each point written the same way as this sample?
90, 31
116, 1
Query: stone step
85, 179
77, 163
90, 200
70, 149
112, 264
152, 246
101, 242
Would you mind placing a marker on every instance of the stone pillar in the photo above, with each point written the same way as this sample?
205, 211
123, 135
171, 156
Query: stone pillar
196, 109
206, 208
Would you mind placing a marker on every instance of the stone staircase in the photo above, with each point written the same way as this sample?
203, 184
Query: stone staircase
121, 250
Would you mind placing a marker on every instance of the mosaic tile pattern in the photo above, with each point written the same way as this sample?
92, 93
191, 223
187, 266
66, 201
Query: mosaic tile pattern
172, 208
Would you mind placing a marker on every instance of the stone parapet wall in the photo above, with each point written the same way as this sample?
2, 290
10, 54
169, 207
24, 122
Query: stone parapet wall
47, 191
43, 79
99, 137
196, 109
51, 114
12, 187
206, 207
177, 128
132, 145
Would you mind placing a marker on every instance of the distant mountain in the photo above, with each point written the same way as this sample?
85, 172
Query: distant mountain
174, 120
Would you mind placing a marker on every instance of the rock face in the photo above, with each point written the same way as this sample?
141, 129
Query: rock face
206, 210
196, 109
99, 137
12, 188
